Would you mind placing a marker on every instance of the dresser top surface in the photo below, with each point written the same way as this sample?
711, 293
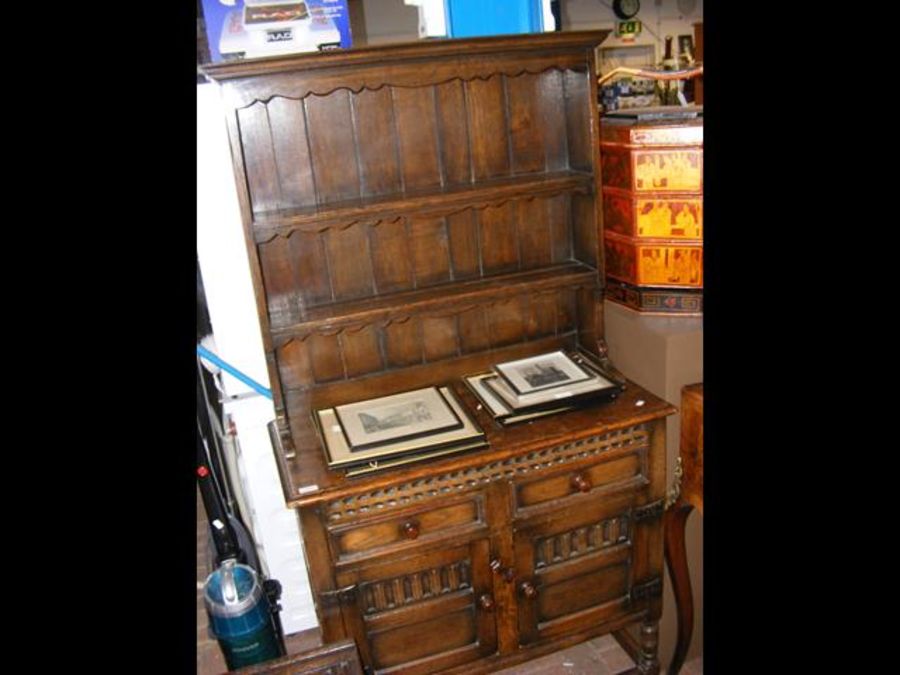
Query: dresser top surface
308, 479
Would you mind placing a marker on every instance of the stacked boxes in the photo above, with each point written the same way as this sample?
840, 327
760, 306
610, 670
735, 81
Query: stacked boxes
652, 177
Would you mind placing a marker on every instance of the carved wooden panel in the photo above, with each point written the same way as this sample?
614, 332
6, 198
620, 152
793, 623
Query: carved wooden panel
560, 547
382, 595
546, 459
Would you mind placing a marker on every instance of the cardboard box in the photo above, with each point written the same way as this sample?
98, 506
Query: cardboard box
238, 29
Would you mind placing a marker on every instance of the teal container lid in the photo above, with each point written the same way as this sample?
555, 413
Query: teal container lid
231, 590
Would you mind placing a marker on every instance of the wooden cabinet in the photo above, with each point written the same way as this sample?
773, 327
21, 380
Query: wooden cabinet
414, 214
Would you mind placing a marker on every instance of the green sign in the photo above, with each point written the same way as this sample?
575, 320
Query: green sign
626, 28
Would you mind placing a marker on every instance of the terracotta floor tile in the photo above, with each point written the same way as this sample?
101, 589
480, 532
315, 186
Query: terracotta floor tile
605, 643
616, 660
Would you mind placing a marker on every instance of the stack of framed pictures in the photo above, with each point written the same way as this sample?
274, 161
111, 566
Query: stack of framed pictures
546, 384
398, 429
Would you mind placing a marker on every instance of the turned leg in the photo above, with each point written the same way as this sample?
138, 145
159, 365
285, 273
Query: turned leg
648, 663
676, 561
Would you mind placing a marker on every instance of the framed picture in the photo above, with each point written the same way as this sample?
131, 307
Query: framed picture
393, 418
686, 44
499, 410
539, 373
340, 454
547, 398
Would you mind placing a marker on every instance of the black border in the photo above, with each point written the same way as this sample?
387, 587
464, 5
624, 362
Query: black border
375, 444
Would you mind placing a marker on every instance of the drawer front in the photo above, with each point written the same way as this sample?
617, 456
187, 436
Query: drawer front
424, 613
578, 483
376, 536
578, 569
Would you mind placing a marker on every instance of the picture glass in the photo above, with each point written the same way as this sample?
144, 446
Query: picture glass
390, 418
539, 373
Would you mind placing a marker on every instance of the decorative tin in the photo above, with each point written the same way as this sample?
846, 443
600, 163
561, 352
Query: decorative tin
652, 184
677, 301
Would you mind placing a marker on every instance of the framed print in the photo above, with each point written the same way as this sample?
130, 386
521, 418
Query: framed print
556, 397
393, 418
539, 373
499, 410
340, 454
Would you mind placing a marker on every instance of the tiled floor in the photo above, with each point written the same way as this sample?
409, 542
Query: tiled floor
600, 656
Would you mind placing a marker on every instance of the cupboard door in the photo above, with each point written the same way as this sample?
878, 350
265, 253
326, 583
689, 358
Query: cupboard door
575, 569
422, 613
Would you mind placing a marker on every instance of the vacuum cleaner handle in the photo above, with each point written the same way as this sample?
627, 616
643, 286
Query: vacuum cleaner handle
223, 534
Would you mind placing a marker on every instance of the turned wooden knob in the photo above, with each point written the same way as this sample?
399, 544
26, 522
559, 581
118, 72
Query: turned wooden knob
410, 529
506, 573
486, 602
528, 590
579, 482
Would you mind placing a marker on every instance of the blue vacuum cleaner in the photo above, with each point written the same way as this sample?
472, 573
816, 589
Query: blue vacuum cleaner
241, 604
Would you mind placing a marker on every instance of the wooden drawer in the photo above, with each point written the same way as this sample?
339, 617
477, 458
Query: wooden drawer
451, 519
621, 470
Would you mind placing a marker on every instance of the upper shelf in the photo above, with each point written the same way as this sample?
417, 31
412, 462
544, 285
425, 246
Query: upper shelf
420, 202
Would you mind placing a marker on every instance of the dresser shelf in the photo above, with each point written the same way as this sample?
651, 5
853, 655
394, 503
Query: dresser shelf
436, 299
418, 202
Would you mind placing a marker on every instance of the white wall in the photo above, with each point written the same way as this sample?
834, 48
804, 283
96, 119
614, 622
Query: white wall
225, 267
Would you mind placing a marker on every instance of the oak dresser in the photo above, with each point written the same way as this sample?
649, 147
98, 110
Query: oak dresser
413, 214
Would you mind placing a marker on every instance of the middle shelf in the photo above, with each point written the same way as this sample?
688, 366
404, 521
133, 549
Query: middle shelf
284, 222
435, 299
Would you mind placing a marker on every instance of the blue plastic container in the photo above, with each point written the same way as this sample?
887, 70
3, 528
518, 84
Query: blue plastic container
240, 616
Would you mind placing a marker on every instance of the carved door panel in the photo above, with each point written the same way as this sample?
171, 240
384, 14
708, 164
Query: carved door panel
426, 612
575, 569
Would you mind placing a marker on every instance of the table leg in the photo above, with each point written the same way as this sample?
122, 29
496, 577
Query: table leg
676, 561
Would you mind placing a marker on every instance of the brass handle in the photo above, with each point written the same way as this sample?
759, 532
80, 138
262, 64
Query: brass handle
579, 482
528, 590
410, 529
486, 602
507, 573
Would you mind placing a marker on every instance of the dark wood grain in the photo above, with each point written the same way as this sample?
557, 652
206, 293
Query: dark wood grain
391, 256
379, 161
287, 123
527, 126
332, 146
486, 106
450, 104
417, 134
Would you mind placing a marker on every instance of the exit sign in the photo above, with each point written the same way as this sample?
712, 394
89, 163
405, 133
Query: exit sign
628, 28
